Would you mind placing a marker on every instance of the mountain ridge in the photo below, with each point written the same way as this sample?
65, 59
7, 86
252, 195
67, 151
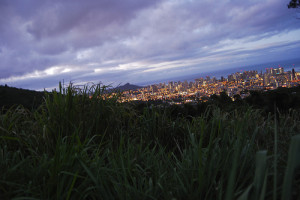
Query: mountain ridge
126, 87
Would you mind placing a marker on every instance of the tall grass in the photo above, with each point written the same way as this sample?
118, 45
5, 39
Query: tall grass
81, 145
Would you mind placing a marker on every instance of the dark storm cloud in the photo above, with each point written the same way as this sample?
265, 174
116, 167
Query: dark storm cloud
126, 38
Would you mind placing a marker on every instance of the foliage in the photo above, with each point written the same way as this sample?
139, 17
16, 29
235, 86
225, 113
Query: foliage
79, 144
284, 99
294, 4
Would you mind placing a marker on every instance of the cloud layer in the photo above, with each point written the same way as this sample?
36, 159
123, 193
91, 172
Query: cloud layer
43, 42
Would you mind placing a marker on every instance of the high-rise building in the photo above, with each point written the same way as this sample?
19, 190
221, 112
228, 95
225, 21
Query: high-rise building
293, 75
266, 79
281, 70
230, 78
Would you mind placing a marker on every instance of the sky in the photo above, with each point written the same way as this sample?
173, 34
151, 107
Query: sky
139, 41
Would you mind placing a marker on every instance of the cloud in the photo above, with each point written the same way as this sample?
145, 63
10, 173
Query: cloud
124, 40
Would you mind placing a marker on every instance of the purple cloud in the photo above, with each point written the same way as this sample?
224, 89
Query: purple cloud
104, 36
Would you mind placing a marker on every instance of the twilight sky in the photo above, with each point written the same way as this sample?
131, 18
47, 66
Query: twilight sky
138, 41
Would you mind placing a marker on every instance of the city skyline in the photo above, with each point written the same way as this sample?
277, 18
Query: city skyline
235, 85
42, 43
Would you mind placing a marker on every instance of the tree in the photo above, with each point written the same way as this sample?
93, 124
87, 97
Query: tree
294, 4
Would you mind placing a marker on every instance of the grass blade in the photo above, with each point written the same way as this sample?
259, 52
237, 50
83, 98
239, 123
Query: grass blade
293, 164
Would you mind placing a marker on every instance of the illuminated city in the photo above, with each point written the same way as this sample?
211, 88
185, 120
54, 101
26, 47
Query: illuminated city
235, 85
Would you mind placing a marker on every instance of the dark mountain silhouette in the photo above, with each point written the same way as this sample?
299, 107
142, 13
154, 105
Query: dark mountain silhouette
127, 86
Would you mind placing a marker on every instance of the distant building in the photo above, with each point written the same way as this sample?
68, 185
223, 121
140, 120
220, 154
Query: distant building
293, 74
281, 70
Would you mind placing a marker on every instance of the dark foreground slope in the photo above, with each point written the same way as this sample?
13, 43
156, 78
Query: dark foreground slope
77, 147
10, 96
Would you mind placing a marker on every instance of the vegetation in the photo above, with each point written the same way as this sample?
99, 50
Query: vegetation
10, 96
294, 4
78, 147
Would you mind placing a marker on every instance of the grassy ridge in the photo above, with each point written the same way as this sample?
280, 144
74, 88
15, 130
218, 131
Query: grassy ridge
10, 96
77, 147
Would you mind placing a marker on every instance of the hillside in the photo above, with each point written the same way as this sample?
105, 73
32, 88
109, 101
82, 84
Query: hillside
10, 96
86, 147
127, 86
